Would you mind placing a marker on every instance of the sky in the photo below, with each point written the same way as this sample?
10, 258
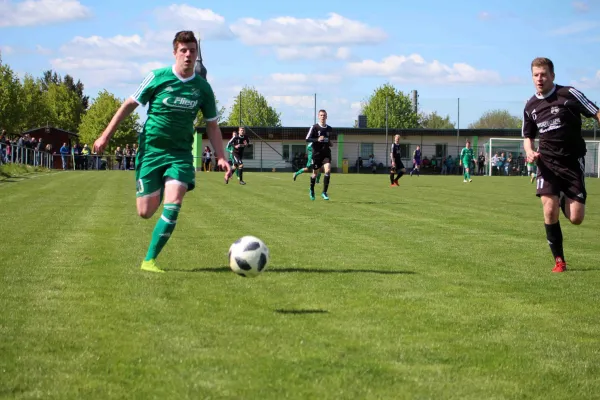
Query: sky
463, 57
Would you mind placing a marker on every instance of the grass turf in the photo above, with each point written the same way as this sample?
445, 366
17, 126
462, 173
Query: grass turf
435, 289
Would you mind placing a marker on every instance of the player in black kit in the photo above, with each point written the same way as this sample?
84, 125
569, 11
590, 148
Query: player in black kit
238, 144
397, 165
554, 114
320, 137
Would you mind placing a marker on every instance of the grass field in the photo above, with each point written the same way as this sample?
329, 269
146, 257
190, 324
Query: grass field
436, 289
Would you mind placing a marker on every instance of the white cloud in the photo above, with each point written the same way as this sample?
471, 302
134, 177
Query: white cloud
414, 68
589, 83
295, 101
306, 78
42, 50
103, 72
119, 46
576, 27
484, 16
289, 31
580, 6
41, 12
6, 50
205, 22
312, 53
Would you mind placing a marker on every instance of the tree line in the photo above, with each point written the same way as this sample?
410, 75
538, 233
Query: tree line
53, 100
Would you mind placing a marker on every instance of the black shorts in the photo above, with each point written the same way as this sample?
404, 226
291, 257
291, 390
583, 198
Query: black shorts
236, 159
399, 164
562, 175
318, 160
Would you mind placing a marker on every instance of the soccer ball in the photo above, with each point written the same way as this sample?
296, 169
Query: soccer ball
248, 256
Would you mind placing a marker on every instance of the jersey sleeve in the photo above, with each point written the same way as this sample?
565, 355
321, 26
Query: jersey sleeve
462, 153
585, 107
529, 128
144, 92
311, 136
209, 105
229, 147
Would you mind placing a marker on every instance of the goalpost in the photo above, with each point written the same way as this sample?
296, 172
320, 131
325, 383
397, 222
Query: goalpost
515, 146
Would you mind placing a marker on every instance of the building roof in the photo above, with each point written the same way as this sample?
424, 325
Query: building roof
52, 129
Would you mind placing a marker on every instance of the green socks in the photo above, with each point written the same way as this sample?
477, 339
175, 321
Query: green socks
163, 229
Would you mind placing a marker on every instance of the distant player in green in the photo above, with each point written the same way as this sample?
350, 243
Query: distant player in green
467, 156
531, 170
165, 164
229, 150
308, 164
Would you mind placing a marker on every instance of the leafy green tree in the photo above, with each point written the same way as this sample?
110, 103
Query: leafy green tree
400, 112
587, 124
36, 109
200, 117
11, 108
96, 119
255, 110
435, 121
497, 119
65, 107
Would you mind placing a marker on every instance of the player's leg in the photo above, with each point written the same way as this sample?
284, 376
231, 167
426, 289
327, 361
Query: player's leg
241, 174
327, 171
468, 172
549, 192
573, 194
317, 164
400, 170
319, 175
418, 168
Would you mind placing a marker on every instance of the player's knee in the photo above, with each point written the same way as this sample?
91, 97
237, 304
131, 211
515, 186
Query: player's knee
576, 219
145, 212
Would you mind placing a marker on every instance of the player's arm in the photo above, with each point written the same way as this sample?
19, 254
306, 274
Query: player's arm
528, 132
215, 137
311, 136
585, 106
123, 112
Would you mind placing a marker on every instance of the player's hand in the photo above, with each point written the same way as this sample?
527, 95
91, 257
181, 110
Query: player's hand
321, 139
221, 162
532, 156
100, 144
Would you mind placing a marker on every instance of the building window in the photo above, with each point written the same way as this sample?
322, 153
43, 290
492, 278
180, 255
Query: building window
249, 152
366, 149
404, 148
286, 152
441, 150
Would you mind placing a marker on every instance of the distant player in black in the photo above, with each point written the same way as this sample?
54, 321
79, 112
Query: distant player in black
554, 114
238, 144
397, 165
416, 161
320, 137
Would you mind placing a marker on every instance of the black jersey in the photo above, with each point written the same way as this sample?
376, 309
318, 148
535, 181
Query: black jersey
556, 119
320, 148
395, 150
243, 141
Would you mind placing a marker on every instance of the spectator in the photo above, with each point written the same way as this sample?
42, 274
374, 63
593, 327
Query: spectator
481, 164
206, 158
119, 157
64, 154
495, 164
85, 156
134, 151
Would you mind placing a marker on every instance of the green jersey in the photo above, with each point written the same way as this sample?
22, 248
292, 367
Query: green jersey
466, 155
173, 104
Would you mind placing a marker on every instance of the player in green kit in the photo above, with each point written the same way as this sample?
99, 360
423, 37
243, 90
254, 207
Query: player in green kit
164, 164
229, 150
531, 170
308, 164
466, 157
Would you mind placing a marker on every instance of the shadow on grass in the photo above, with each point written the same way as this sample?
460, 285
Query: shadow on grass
301, 311
276, 270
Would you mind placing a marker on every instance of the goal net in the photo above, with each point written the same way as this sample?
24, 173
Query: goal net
513, 148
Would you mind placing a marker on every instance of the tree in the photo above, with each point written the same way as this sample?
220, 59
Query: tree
497, 119
255, 110
65, 107
99, 115
11, 109
434, 121
37, 111
399, 109
200, 117
587, 124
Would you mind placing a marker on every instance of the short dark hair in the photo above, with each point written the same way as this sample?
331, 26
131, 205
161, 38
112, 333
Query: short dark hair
543, 62
321, 110
184, 37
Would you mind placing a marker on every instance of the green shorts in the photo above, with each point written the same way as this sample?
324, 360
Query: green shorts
151, 170
309, 158
466, 163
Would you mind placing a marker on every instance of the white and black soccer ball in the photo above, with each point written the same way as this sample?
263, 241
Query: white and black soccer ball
248, 256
